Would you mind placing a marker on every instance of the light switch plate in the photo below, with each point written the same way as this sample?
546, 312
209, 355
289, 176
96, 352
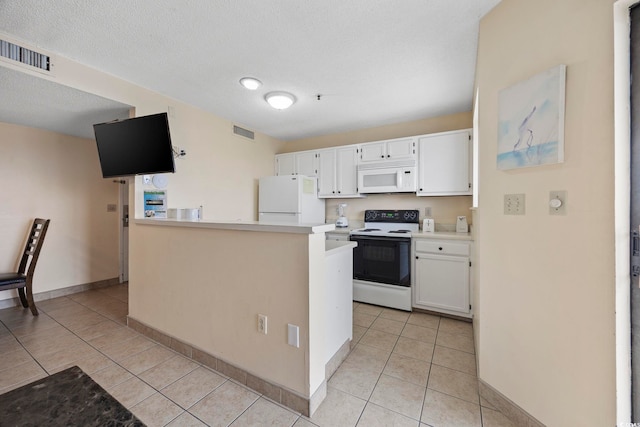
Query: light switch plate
514, 204
562, 197
293, 335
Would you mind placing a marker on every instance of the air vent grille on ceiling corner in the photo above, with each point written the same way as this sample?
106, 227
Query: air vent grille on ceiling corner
25, 56
243, 132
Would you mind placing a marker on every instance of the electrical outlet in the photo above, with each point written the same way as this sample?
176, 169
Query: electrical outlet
262, 324
514, 204
427, 212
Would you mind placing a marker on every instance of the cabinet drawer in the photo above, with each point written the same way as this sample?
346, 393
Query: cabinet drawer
440, 247
337, 236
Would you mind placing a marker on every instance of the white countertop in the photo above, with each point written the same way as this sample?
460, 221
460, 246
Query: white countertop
443, 235
271, 227
449, 235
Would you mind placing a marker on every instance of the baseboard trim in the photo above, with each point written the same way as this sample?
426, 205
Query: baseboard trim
304, 405
334, 363
509, 409
43, 296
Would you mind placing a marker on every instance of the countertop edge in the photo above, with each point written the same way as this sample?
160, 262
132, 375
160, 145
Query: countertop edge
444, 235
239, 225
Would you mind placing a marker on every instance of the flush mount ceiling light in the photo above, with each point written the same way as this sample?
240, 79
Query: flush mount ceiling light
280, 100
250, 83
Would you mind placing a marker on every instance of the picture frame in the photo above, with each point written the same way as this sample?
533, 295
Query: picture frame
531, 121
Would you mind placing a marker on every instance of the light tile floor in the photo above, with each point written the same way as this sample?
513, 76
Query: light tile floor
405, 369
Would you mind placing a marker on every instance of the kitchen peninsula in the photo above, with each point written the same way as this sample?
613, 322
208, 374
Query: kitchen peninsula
199, 287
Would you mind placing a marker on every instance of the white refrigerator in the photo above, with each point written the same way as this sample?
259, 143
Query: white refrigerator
290, 199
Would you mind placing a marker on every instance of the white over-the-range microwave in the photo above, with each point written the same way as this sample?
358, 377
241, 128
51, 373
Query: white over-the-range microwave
387, 177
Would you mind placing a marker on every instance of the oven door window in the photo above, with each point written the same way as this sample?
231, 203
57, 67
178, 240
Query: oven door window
382, 260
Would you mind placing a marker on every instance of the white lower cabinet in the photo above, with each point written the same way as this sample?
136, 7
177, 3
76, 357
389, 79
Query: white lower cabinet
337, 236
441, 278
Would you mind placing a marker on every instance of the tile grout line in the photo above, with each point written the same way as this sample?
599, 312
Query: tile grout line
119, 365
111, 359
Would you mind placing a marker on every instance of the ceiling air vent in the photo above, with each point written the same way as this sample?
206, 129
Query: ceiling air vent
25, 56
243, 132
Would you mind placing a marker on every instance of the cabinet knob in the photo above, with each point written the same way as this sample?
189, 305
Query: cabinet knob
382, 156
388, 155
334, 192
338, 191
440, 248
421, 189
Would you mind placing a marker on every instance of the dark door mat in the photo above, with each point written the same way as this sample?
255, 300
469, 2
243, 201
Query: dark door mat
68, 398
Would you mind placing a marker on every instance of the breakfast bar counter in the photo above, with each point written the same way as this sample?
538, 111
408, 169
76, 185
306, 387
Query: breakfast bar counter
201, 286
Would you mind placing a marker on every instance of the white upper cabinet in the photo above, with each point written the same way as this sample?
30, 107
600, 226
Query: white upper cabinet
286, 164
298, 163
443, 160
346, 171
337, 172
444, 164
327, 173
307, 163
394, 149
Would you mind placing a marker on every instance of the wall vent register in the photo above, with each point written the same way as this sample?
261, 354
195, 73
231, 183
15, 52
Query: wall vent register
25, 56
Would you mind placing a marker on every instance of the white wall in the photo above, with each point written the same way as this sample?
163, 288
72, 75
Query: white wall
546, 283
49, 175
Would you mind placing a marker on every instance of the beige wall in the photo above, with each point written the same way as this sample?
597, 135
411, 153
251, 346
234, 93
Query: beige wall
49, 175
444, 209
207, 287
219, 172
546, 283
398, 130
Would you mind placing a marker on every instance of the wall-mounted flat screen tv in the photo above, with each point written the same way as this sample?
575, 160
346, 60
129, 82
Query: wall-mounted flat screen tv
141, 145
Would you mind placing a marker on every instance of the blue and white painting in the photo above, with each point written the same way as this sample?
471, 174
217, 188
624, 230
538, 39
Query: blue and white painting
531, 121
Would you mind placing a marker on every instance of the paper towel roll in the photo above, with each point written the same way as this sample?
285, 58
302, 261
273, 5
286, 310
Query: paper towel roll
187, 214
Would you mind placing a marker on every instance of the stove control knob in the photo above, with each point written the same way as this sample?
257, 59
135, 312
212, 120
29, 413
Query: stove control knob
410, 215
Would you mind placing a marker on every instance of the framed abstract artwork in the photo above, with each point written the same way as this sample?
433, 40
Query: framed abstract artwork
531, 121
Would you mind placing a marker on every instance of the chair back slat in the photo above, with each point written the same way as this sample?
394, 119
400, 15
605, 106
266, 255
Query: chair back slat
33, 246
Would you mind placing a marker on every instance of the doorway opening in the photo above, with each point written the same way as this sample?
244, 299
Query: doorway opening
123, 212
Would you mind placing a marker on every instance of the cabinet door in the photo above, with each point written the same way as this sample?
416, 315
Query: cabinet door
442, 282
444, 166
399, 149
373, 152
286, 164
307, 163
327, 173
346, 172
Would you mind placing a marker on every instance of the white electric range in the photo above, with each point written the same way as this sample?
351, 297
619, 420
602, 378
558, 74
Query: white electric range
382, 259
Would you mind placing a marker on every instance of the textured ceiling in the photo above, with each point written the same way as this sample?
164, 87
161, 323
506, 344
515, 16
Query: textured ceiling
374, 62
39, 103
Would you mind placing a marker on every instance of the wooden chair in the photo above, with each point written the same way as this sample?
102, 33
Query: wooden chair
23, 278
